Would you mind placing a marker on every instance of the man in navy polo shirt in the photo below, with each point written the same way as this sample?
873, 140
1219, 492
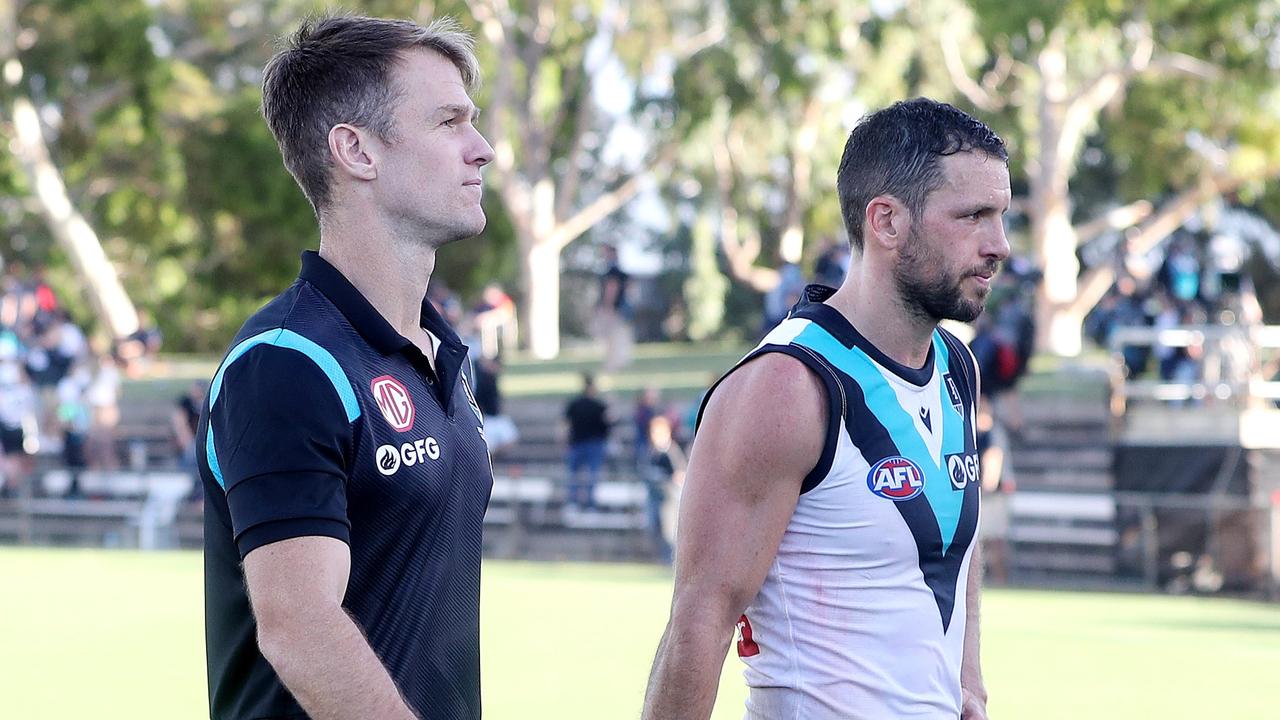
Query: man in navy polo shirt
344, 462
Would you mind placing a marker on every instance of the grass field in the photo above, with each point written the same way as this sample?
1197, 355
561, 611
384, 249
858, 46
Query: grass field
116, 635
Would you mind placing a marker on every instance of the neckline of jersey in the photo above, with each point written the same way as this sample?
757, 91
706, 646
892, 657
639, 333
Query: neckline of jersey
381, 336
812, 306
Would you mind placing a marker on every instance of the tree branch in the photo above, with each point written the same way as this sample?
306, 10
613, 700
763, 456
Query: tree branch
1182, 64
535, 132
567, 193
976, 93
1172, 215
741, 253
1098, 91
66, 224
716, 31
1114, 219
800, 162
605, 205
491, 16
200, 48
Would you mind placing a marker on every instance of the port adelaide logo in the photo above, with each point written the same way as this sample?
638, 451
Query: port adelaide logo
896, 478
394, 402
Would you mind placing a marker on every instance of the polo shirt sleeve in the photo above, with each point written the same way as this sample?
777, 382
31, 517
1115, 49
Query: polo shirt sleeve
280, 437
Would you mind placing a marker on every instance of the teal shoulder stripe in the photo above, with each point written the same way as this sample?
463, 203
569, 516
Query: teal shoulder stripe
281, 337
882, 401
212, 456
941, 351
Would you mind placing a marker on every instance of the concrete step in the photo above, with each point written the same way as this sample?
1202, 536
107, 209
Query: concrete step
1051, 459
1066, 479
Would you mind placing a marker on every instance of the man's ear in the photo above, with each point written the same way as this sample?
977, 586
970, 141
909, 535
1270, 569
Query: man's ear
887, 223
353, 152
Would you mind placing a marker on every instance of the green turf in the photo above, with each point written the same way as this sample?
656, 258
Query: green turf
114, 634
681, 370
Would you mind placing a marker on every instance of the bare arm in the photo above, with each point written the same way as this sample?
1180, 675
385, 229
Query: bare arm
745, 472
973, 691
296, 587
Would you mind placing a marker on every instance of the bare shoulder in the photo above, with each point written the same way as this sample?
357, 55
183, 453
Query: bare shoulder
773, 386
768, 416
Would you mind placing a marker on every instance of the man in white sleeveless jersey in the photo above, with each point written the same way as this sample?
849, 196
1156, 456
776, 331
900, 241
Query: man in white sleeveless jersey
830, 507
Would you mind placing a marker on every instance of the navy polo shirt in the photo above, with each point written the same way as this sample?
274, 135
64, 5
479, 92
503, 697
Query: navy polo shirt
323, 420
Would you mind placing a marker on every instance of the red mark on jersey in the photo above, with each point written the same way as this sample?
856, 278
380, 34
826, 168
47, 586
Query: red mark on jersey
747, 647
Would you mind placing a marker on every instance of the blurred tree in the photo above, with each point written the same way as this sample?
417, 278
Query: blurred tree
561, 111
1180, 94
150, 115
760, 115
763, 115
41, 179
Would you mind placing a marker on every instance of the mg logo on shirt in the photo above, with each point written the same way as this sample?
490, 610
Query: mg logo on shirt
394, 402
896, 478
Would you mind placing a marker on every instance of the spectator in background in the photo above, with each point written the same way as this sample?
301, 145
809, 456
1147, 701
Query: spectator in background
184, 420
46, 299
17, 421
646, 410
1178, 363
499, 430
73, 414
1000, 364
686, 424
1180, 272
103, 398
1129, 310
779, 300
495, 319
18, 302
997, 484
833, 264
136, 351
588, 433
57, 344
662, 473
614, 312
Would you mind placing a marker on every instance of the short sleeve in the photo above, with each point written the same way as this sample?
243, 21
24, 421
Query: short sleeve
279, 444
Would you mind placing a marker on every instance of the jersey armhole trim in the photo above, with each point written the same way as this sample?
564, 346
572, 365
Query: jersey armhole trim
836, 404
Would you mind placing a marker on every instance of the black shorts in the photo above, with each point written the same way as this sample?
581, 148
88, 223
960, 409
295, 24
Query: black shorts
11, 440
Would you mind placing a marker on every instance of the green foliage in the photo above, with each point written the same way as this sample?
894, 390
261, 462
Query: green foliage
153, 121
705, 287
161, 144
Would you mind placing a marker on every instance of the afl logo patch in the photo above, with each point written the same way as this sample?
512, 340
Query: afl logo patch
896, 478
394, 402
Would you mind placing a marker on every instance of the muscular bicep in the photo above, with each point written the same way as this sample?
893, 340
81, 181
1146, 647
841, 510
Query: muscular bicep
761, 435
290, 579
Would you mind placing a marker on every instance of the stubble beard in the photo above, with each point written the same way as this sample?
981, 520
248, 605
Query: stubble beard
930, 293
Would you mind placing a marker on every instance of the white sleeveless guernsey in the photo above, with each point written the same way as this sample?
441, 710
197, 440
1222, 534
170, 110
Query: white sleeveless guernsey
862, 613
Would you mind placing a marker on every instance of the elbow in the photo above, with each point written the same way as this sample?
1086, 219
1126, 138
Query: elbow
277, 641
705, 612
283, 633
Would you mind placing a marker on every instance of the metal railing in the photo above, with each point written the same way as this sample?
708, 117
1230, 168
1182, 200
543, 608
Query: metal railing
1235, 365
1203, 543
